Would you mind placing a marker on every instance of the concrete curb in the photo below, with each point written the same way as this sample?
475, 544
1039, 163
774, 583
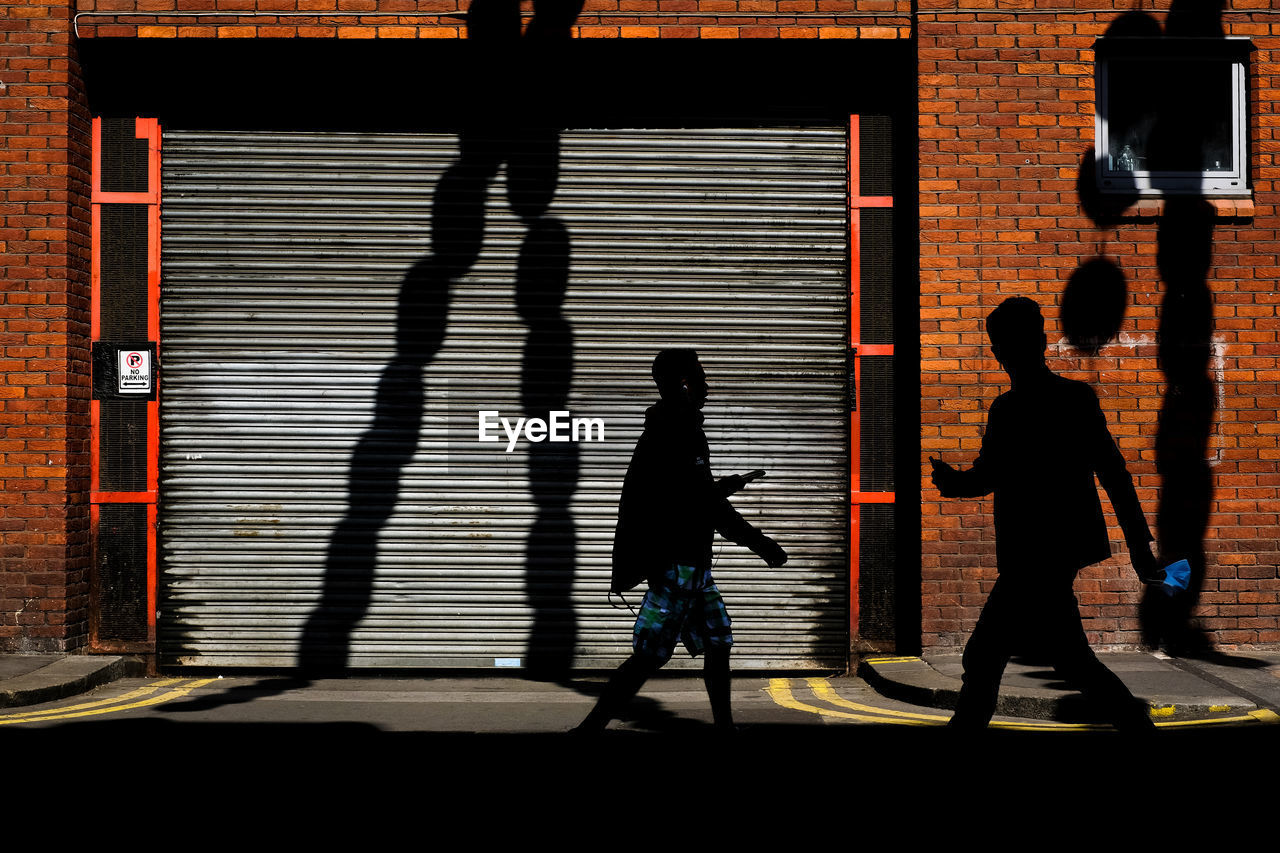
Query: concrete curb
911, 679
68, 676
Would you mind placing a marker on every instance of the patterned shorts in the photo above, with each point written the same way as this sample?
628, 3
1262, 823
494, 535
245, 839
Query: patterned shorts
685, 607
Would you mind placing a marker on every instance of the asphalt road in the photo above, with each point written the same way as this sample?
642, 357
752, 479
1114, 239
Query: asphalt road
297, 761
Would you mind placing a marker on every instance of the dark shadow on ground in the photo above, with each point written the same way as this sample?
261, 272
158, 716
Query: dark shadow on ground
333, 783
495, 772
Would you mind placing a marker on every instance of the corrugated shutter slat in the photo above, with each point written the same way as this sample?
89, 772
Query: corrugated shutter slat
283, 262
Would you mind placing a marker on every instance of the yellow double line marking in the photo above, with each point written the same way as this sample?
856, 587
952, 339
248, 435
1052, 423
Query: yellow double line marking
144, 696
780, 691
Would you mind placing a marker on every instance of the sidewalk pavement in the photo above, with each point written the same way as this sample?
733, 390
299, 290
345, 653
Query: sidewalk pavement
1215, 685
32, 679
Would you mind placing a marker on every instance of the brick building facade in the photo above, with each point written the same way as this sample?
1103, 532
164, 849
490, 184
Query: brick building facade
1005, 199
1007, 122
44, 252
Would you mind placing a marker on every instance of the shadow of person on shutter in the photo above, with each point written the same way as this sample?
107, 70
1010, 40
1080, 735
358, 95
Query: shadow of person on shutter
386, 448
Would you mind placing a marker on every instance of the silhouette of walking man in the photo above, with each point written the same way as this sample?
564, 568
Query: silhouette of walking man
1045, 440
669, 510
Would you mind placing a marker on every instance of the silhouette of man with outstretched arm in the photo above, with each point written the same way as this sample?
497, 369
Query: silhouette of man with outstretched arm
1045, 440
671, 507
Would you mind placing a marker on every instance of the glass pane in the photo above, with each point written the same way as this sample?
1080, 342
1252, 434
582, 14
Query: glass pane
1168, 115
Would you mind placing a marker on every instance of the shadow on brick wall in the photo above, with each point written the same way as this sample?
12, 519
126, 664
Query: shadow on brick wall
1093, 309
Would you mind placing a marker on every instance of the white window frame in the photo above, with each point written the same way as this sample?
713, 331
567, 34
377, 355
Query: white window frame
1209, 183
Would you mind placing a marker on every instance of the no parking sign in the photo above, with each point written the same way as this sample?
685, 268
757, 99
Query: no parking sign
134, 376
125, 371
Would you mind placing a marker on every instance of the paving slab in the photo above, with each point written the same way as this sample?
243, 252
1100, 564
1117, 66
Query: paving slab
32, 679
12, 666
1033, 690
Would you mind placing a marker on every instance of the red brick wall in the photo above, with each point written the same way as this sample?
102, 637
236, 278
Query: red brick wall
44, 375
44, 241
1006, 115
367, 19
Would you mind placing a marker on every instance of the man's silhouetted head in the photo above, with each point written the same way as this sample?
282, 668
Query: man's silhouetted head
680, 376
1016, 330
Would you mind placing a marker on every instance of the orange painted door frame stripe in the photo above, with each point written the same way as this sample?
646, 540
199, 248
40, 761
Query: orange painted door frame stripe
857, 497
148, 129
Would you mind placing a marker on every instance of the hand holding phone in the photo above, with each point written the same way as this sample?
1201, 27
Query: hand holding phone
734, 482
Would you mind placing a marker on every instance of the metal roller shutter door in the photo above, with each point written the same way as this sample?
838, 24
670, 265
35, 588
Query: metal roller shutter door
299, 443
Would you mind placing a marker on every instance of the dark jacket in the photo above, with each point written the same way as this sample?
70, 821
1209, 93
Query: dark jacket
671, 505
1043, 445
